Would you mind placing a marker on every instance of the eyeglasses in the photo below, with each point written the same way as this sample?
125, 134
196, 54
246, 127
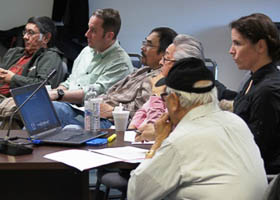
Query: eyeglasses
29, 32
146, 43
166, 59
163, 96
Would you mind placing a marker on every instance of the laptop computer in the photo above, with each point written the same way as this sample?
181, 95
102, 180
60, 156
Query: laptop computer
41, 120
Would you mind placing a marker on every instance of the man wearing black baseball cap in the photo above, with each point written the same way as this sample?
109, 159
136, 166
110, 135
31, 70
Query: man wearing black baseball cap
200, 151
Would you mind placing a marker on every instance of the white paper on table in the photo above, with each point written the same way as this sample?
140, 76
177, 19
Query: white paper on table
81, 159
129, 136
126, 154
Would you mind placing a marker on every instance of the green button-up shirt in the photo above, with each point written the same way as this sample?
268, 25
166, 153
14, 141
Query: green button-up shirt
101, 70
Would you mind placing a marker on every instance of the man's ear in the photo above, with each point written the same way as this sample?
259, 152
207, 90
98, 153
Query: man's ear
174, 102
110, 35
46, 38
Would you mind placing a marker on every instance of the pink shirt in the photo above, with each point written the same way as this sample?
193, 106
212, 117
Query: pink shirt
149, 112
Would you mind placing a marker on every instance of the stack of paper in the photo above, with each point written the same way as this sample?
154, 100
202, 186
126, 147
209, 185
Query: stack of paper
126, 154
83, 159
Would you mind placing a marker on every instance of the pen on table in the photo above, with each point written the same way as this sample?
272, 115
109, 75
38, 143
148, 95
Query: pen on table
112, 137
138, 132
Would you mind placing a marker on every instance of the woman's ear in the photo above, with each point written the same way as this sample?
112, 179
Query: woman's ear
262, 46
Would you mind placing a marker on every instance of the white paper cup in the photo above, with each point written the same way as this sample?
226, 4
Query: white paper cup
120, 120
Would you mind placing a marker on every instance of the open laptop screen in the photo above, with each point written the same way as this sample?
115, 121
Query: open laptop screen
38, 113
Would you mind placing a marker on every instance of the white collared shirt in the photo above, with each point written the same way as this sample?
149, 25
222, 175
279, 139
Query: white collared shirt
211, 154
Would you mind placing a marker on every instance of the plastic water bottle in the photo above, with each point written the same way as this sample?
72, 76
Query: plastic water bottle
91, 94
95, 123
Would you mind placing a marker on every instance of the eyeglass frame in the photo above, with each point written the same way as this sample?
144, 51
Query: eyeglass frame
166, 59
164, 95
146, 43
29, 33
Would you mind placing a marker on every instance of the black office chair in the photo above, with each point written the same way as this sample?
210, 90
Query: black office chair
136, 60
65, 71
63, 75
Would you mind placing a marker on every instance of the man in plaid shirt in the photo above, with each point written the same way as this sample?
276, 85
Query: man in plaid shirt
136, 88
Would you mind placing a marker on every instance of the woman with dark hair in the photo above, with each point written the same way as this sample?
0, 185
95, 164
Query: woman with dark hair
256, 47
32, 64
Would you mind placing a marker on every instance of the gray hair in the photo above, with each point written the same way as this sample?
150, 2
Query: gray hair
187, 46
45, 25
188, 99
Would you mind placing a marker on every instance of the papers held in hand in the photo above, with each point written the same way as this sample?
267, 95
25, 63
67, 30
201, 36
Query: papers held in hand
129, 136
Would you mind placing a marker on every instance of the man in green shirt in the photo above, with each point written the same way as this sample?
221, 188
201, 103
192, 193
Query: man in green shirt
101, 64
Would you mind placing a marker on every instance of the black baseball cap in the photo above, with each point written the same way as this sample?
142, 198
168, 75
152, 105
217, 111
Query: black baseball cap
185, 73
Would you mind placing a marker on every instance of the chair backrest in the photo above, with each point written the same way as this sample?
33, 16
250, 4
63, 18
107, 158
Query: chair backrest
136, 60
61, 75
64, 70
212, 66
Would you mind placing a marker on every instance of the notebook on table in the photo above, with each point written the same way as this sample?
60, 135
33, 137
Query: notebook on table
41, 120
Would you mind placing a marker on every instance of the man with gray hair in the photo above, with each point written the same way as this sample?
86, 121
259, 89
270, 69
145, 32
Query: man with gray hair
187, 46
200, 151
33, 63
183, 46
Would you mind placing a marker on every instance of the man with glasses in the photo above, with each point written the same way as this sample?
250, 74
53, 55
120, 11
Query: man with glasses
183, 46
31, 64
200, 151
136, 88
99, 65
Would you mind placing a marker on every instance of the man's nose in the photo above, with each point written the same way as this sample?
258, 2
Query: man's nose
161, 62
86, 34
25, 37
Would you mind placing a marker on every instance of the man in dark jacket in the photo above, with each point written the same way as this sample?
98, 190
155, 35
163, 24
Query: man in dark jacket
23, 66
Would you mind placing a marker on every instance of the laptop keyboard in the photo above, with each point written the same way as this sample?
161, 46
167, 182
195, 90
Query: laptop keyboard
69, 134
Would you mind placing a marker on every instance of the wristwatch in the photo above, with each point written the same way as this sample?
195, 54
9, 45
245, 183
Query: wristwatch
60, 94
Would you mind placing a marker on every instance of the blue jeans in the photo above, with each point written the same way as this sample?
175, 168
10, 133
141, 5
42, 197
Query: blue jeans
69, 115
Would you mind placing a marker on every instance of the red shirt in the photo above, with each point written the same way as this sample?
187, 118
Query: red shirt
17, 69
